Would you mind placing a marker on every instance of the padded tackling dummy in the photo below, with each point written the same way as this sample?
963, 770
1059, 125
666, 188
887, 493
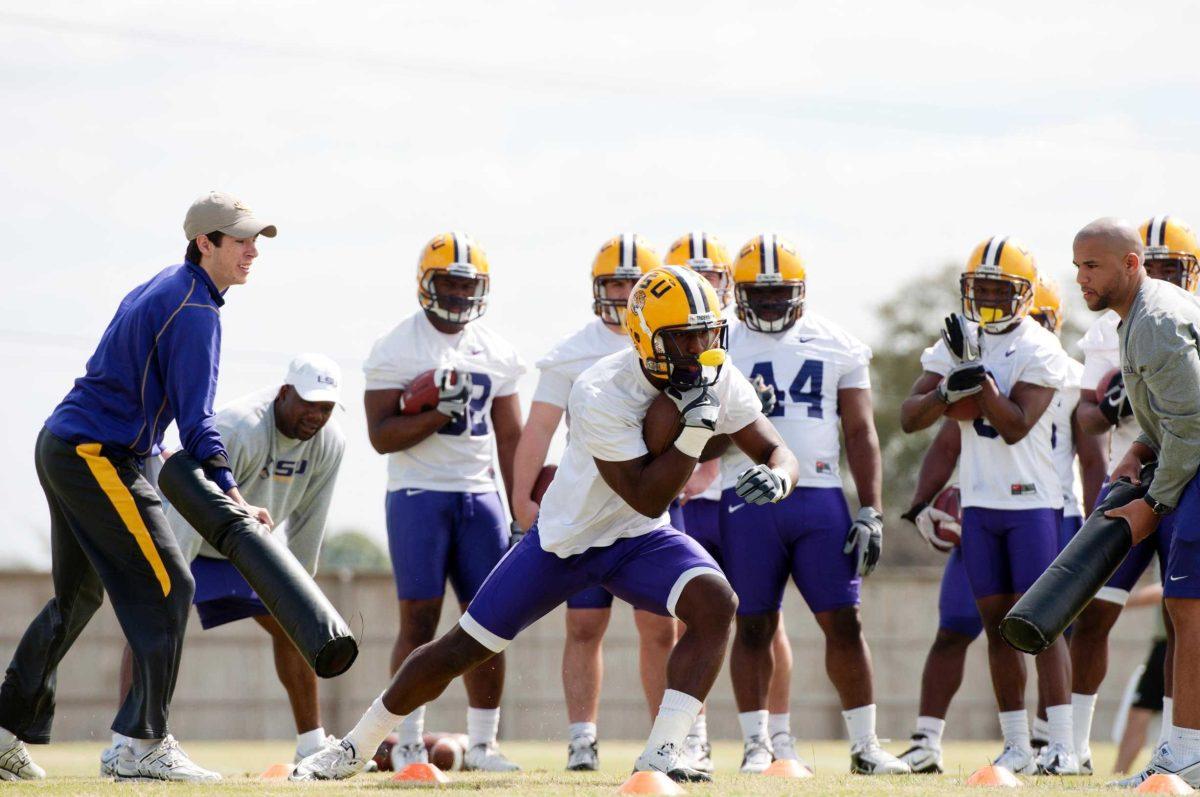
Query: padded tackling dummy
285, 587
1074, 577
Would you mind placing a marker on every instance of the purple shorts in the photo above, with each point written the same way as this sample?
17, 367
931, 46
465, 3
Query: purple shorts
1068, 527
1117, 588
222, 595
1181, 575
956, 605
802, 537
702, 519
436, 535
598, 597
1005, 550
648, 572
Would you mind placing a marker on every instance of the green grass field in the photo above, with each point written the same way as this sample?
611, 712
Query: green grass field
71, 769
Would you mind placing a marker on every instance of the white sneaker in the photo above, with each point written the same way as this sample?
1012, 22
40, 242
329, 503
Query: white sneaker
668, 759
337, 760
583, 754
698, 753
923, 758
756, 755
301, 755
1017, 760
405, 754
108, 760
488, 758
15, 763
164, 761
868, 758
1057, 759
1163, 761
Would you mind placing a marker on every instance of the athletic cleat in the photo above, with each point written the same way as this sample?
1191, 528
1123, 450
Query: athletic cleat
583, 755
108, 761
1057, 759
15, 763
923, 758
1085, 764
164, 761
488, 758
337, 760
405, 754
668, 759
698, 753
756, 755
299, 756
783, 747
1163, 762
1017, 760
868, 758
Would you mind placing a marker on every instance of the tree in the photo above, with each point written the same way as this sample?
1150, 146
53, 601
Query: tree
355, 551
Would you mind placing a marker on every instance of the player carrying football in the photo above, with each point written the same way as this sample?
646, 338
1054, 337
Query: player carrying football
444, 515
604, 521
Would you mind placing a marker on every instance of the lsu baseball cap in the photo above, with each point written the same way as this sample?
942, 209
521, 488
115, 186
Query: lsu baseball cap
316, 378
217, 211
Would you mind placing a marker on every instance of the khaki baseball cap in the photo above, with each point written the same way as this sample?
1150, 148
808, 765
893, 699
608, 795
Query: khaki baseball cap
217, 211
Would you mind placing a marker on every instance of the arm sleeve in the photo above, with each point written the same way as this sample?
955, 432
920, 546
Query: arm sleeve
553, 387
1045, 367
1170, 367
514, 368
190, 354
937, 359
606, 433
744, 405
306, 525
381, 369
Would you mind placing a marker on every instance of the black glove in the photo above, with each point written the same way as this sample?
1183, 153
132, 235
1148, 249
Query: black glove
766, 394
963, 346
1114, 404
865, 540
963, 380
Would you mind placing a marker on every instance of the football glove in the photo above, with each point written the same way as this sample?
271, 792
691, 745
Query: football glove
925, 517
1114, 404
515, 535
963, 346
964, 379
766, 394
762, 485
453, 399
865, 540
699, 410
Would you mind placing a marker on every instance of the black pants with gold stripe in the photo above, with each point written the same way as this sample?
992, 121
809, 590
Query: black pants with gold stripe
108, 534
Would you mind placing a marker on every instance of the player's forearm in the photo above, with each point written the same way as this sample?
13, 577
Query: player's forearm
650, 486
506, 449
1004, 414
1093, 461
921, 410
400, 432
866, 466
782, 458
531, 452
1091, 419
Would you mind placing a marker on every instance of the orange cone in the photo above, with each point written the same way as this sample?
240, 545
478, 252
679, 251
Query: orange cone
276, 772
992, 775
1163, 783
787, 768
421, 775
649, 783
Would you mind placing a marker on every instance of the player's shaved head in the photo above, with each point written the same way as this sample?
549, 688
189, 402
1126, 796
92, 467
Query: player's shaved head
1108, 261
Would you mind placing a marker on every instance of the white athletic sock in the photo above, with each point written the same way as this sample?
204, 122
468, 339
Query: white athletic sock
372, 729
860, 724
582, 730
1015, 727
412, 729
119, 739
6, 737
1062, 729
142, 746
1041, 729
779, 723
1185, 744
676, 714
754, 723
310, 742
700, 728
931, 728
482, 725
1168, 717
1083, 709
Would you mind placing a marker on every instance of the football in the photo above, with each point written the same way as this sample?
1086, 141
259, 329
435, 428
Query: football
542, 484
447, 754
965, 409
661, 425
1106, 383
383, 755
421, 395
948, 501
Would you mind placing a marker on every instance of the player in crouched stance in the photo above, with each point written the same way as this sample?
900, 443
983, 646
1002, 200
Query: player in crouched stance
604, 521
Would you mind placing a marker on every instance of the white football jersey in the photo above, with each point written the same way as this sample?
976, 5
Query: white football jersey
1101, 354
808, 364
608, 405
573, 355
992, 473
1062, 437
458, 457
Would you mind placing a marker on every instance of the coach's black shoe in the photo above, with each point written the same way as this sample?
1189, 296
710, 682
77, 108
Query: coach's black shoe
923, 758
668, 760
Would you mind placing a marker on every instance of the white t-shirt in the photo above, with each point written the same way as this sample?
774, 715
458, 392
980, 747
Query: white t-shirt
992, 473
608, 405
1062, 437
458, 457
1101, 354
573, 355
808, 364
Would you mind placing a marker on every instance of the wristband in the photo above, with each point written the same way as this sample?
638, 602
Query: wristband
787, 483
692, 439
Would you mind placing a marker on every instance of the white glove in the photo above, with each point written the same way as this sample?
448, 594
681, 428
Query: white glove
762, 485
926, 521
699, 410
453, 399
766, 394
866, 539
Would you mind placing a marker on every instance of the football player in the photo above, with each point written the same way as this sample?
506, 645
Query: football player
1172, 254
1011, 368
820, 375
445, 519
615, 269
958, 618
604, 520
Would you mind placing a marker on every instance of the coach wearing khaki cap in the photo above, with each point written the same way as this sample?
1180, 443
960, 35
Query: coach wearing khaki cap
157, 362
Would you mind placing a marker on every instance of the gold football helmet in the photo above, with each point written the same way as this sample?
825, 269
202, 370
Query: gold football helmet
1171, 251
676, 327
704, 254
452, 278
769, 284
619, 263
1047, 304
997, 286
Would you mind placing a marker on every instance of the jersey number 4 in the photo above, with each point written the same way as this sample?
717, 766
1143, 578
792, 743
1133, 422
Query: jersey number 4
806, 388
481, 388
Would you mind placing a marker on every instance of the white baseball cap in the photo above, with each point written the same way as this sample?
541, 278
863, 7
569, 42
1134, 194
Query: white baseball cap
315, 377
